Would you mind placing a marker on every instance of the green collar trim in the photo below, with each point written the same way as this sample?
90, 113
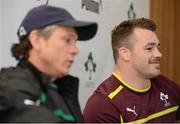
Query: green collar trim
67, 117
43, 97
53, 86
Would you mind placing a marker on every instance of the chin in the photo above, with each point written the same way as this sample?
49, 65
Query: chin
155, 74
66, 72
63, 73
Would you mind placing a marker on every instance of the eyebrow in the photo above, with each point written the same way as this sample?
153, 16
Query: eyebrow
152, 44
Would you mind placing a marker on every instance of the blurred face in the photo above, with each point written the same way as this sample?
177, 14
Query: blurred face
145, 54
56, 54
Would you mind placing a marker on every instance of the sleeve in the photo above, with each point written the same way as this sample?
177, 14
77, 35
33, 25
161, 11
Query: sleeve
99, 109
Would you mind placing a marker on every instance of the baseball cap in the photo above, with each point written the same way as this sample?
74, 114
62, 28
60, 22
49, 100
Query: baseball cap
44, 15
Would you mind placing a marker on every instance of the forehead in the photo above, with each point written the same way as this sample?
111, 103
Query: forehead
145, 36
66, 29
59, 32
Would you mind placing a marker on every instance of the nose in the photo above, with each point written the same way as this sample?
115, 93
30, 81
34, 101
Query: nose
158, 53
74, 50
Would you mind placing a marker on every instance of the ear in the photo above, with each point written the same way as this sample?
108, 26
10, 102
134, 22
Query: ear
124, 53
35, 40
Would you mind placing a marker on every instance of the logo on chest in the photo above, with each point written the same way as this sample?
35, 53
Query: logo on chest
164, 98
132, 110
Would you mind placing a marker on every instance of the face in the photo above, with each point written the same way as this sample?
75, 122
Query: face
56, 54
145, 55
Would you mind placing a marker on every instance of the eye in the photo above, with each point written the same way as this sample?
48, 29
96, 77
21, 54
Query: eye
158, 47
149, 48
67, 40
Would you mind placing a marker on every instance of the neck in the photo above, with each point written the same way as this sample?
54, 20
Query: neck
42, 68
132, 79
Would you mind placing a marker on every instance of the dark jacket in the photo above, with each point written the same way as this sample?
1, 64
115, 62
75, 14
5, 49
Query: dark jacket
28, 95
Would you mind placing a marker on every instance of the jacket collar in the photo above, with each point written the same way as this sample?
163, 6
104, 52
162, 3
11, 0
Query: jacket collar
67, 84
42, 77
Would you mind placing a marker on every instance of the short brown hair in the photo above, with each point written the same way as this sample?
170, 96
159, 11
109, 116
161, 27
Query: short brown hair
121, 32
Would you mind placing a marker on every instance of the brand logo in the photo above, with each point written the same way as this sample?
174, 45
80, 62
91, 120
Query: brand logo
132, 110
22, 31
164, 97
31, 102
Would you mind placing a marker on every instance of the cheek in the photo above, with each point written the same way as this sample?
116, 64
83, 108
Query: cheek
141, 61
56, 49
150, 60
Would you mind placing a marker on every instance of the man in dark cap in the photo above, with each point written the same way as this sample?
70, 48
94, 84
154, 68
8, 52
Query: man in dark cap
39, 88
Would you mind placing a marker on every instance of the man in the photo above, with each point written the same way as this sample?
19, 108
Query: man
135, 92
39, 88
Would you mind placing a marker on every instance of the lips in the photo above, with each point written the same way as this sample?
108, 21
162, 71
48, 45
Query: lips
155, 61
156, 64
70, 62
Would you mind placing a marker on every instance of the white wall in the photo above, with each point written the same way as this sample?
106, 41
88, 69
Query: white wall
112, 12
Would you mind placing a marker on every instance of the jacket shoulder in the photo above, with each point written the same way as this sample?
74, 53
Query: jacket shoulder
14, 78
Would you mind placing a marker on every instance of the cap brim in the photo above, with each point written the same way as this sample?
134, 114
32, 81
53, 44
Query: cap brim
85, 30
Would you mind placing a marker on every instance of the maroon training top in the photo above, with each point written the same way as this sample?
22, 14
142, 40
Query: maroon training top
115, 101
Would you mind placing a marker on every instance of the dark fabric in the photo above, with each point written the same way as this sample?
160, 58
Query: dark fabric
25, 96
43, 15
155, 105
